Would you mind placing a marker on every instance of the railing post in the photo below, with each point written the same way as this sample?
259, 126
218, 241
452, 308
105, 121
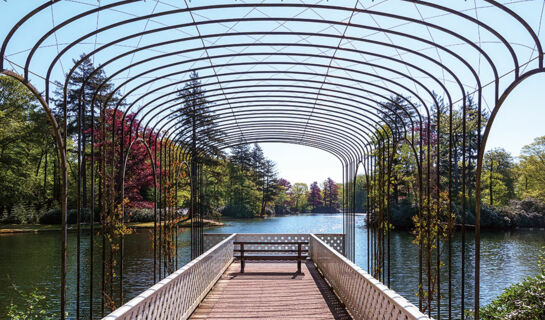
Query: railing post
242, 258
299, 257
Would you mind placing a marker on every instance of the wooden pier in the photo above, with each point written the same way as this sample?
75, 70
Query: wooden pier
271, 285
271, 290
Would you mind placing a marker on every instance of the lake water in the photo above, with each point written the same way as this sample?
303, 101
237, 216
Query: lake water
32, 260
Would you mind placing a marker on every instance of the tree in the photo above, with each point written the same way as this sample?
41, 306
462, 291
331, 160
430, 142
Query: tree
244, 199
361, 193
331, 194
283, 203
299, 196
396, 112
215, 191
241, 157
498, 178
198, 124
285, 188
270, 188
83, 87
315, 196
139, 170
87, 91
473, 131
532, 170
258, 165
26, 148
197, 120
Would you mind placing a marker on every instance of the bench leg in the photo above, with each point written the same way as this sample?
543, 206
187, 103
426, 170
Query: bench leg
242, 258
298, 258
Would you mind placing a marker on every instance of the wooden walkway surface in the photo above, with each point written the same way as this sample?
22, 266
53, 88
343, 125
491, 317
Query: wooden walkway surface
271, 290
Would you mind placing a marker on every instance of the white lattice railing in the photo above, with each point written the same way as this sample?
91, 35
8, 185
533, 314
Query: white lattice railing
364, 296
176, 296
334, 240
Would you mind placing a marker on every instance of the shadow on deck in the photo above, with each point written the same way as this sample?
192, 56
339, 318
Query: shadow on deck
271, 290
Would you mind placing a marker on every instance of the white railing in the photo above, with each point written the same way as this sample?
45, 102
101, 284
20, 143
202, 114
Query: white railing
364, 296
334, 240
177, 296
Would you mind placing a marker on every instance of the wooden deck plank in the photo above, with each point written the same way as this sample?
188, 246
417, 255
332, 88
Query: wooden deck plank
271, 290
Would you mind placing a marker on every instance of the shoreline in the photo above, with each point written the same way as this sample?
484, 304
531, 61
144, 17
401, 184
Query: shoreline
36, 228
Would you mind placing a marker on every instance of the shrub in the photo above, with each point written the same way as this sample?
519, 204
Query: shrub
139, 215
521, 301
18, 212
527, 213
401, 214
237, 211
34, 306
324, 209
53, 216
278, 210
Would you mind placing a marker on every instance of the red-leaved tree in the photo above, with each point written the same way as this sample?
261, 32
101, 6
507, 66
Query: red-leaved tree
315, 195
117, 134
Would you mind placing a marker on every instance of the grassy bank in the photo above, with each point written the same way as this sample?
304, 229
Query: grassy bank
18, 228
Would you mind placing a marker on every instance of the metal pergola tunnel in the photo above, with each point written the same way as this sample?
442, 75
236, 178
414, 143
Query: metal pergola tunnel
360, 80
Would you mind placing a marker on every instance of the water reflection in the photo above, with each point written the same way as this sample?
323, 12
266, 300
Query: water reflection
32, 260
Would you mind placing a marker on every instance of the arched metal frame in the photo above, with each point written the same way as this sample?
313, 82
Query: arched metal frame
266, 90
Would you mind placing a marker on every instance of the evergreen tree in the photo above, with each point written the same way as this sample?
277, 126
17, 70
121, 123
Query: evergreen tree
198, 123
242, 191
396, 112
195, 117
257, 161
241, 157
82, 88
270, 189
77, 90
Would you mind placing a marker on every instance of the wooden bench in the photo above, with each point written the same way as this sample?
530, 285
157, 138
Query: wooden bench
299, 257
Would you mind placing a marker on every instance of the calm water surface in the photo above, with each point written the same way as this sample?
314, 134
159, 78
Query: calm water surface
31, 260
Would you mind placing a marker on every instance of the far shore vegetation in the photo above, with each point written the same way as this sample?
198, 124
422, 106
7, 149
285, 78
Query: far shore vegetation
242, 183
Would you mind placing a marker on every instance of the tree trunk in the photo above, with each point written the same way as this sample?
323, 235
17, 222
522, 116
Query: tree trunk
491, 173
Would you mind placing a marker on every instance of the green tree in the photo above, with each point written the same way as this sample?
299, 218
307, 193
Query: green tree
361, 193
244, 200
299, 196
531, 170
26, 148
270, 185
498, 177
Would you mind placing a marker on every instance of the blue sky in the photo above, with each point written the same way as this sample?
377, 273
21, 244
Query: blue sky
520, 120
518, 123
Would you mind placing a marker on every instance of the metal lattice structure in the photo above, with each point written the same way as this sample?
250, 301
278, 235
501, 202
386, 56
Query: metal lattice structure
313, 73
